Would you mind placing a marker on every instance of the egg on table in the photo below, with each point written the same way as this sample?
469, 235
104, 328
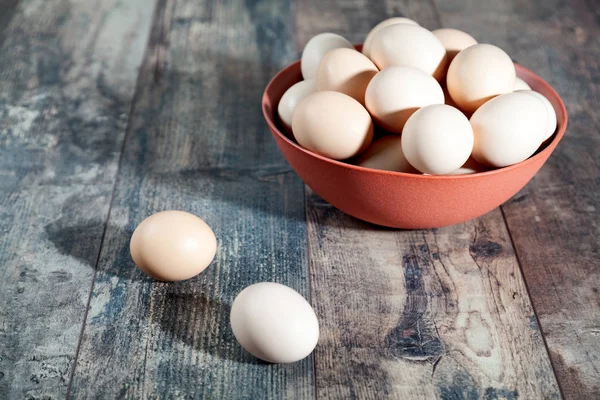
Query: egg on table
479, 73
333, 125
390, 21
437, 139
411, 46
274, 323
397, 92
346, 71
509, 129
315, 50
173, 245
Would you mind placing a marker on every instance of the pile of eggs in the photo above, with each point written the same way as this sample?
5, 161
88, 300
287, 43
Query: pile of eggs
446, 104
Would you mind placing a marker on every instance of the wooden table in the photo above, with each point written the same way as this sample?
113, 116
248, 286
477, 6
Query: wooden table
113, 110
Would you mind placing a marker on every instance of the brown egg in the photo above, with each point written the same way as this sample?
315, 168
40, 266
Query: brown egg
454, 41
478, 74
333, 125
173, 245
346, 71
386, 154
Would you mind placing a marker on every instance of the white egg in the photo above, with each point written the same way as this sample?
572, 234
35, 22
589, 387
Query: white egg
437, 139
386, 154
479, 73
520, 84
292, 97
397, 92
315, 50
274, 323
333, 125
411, 46
551, 127
508, 129
390, 21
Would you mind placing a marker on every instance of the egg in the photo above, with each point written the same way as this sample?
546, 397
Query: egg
479, 73
173, 245
520, 84
551, 127
333, 125
469, 167
346, 71
454, 41
410, 46
447, 99
390, 21
508, 129
397, 92
386, 154
437, 139
292, 97
315, 50
274, 323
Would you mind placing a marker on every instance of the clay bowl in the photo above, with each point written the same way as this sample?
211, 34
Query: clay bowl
402, 200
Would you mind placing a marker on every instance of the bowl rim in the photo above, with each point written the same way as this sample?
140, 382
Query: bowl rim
544, 153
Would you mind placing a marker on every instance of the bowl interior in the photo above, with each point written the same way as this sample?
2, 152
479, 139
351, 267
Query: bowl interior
292, 74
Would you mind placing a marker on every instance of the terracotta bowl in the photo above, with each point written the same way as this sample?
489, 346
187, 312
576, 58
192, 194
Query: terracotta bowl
402, 200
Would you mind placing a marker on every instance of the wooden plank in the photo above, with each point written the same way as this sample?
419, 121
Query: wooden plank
198, 142
417, 314
8, 8
354, 19
555, 220
67, 77
422, 314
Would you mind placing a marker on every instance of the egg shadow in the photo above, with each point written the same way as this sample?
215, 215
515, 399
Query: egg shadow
82, 241
186, 314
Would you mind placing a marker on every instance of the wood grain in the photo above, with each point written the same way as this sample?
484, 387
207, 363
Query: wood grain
416, 314
67, 77
8, 8
422, 314
198, 142
555, 220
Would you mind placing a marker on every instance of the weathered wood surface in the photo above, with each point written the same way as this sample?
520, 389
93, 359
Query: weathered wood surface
555, 221
7, 11
198, 142
67, 76
440, 313
425, 314
422, 314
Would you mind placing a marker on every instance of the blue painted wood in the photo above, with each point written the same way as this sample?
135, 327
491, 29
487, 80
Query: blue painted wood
197, 141
8, 8
67, 78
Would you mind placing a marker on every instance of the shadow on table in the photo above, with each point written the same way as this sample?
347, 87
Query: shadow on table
189, 315
82, 242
